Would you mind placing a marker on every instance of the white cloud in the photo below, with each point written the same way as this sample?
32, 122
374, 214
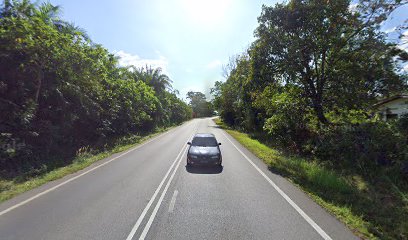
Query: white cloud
214, 64
127, 59
390, 30
405, 35
403, 46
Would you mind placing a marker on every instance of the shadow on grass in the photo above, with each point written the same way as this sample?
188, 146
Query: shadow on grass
205, 169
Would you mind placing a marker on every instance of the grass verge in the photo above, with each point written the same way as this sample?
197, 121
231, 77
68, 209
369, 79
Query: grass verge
85, 157
370, 210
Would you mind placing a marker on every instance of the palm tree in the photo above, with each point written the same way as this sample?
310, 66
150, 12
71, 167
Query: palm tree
50, 15
47, 12
71, 28
160, 82
153, 77
15, 8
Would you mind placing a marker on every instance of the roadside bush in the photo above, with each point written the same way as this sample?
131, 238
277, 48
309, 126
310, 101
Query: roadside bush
366, 146
289, 117
402, 126
286, 133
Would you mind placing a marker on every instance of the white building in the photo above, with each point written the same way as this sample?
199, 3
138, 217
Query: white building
393, 107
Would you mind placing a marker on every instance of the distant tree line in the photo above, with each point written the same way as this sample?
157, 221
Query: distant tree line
308, 82
199, 104
60, 92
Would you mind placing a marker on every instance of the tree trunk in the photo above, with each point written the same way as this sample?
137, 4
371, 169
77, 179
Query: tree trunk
39, 83
318, 108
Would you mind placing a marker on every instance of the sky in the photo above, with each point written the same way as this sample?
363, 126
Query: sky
189, 39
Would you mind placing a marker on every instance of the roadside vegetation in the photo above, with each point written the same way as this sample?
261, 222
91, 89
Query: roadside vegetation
372, 210
64, 98
199, 104
84, 158
304, 93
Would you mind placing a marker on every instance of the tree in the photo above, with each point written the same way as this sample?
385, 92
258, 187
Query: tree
59, 92
309, 44
199, 104
216, 92
154, 78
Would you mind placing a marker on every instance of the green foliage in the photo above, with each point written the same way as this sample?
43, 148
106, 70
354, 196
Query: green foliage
366, 146
328, 51
85, 157
60, 92
233, 98
199, 104
373, 209
311, 78
402, 126
307, 85
288, 116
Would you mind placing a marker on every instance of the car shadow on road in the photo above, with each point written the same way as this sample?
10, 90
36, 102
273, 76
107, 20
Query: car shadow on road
204, 169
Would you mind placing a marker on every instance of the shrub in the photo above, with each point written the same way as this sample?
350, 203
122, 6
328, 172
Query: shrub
402, 126
366, 146
289, 121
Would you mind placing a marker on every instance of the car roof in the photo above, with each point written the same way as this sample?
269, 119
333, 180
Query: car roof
204, 135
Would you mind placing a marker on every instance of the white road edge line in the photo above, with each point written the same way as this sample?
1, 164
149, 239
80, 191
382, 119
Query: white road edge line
318, 229
173, 201
156, 208
80, 175
152, 199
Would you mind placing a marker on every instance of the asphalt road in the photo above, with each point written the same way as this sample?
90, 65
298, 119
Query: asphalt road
148, 193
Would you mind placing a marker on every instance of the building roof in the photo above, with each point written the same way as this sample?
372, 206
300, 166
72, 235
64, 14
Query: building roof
390, 99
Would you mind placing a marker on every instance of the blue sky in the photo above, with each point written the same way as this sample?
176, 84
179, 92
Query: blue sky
189, 39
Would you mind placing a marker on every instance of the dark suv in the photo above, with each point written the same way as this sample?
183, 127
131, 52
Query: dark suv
204, 150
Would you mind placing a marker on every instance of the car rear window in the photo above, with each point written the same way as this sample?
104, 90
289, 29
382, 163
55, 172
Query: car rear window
204, 142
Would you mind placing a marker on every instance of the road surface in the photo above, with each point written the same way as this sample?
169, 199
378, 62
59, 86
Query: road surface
147, 193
